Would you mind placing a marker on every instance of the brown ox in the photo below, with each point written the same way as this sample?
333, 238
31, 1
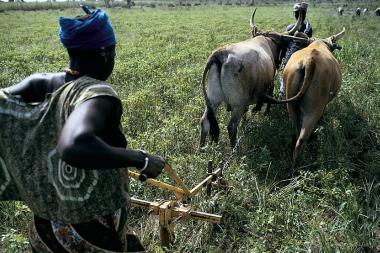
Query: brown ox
240, 75
312, 78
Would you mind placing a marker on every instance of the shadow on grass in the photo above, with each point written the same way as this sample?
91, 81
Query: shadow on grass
337, 182
343, 137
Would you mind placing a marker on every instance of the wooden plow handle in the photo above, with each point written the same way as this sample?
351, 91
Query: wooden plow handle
158, 184
173, 175
182, 189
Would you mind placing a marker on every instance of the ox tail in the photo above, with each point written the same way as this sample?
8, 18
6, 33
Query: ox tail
216, 57
309, 71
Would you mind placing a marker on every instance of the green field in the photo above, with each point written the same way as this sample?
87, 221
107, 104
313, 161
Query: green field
331, 204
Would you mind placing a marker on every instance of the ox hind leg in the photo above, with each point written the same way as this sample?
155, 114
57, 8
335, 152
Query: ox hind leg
237, 113
295, 117
209, 123
261, 100
308, 125
270, 92
236, 94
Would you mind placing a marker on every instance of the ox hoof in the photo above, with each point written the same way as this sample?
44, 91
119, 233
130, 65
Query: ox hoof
203, 148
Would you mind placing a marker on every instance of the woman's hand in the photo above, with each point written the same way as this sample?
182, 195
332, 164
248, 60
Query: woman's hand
154, 167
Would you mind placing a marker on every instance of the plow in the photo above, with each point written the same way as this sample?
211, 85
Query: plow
171, 211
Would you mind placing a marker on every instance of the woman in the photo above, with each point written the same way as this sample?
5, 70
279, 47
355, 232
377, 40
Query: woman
62, 150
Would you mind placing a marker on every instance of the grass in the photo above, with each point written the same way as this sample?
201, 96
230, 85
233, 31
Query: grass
330, 205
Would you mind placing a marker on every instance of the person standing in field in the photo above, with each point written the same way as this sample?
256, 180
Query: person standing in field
305, 31
62, 150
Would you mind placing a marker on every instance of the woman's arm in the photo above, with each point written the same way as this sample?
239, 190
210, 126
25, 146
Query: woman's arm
81, 144
35, 87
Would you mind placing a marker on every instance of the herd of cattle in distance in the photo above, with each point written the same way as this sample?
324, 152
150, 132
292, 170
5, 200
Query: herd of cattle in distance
358, 11
242, 74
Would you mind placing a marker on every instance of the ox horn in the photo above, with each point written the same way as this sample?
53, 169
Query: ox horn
252, 24
338, 36
331, 41
297, 26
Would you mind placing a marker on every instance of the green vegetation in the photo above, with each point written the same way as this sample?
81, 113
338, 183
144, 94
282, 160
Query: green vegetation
331, 204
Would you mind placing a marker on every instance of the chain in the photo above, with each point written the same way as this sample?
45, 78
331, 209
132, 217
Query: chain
227, 163
232, 155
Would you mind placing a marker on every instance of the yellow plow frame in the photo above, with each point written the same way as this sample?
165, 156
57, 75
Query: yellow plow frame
170, 211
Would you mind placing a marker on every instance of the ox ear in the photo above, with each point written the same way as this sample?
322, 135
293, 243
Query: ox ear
338, 47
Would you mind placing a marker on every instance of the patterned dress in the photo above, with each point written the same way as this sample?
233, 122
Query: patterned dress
32, 171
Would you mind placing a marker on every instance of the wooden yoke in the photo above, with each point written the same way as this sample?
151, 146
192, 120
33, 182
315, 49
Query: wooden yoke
170, 211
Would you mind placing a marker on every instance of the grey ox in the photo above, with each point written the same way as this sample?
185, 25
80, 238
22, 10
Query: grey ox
240, 75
